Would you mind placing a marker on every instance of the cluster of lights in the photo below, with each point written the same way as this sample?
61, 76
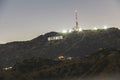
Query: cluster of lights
95, 28
105, 27
80, 29
7, 68
71, 30
64, 31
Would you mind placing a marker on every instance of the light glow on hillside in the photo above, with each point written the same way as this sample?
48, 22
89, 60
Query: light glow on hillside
64, 31
95, 28
70, 30
80, 29
105, 27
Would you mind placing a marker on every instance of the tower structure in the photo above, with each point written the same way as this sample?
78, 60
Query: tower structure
76, 28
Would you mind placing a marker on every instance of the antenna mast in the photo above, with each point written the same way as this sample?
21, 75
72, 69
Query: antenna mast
76, 20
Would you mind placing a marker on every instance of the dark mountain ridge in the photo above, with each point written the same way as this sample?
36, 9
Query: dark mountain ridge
102, 64
75, 44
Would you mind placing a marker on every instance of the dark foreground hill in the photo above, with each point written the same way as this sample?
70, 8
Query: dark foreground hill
102, 65
75, 44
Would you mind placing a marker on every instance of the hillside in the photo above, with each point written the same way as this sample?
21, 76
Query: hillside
103, 63
75, 44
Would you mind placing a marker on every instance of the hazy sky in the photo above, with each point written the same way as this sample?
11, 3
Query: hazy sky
27, 19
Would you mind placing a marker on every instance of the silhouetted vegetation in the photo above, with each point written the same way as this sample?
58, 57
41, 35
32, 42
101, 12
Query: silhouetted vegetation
103, 62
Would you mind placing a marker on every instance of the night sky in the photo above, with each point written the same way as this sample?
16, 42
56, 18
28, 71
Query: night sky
26, 19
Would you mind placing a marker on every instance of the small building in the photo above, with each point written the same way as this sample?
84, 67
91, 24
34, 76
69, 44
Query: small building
69, 58
61, 57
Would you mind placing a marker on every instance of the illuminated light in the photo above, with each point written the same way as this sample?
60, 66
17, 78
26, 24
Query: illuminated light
70, 30
95, 28
49, 38
60, 37
53, 38
61, 57
105, 27
10, 67
56, 38
80, 29
64, 31
69, 58
7, 68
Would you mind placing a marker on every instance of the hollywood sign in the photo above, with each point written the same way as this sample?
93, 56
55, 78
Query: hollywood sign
55, 38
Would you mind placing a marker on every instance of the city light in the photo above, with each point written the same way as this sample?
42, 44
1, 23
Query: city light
64, 31
70, 30
105, 27
61, 57
95, 28
80, 29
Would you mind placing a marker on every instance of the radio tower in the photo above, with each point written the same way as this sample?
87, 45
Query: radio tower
76, 28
